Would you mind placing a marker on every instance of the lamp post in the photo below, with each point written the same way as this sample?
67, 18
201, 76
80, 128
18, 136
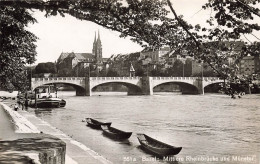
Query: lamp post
183, 63
202, 71
88, 70
31, 77
201, 65
202, 78
183, 69
147, 69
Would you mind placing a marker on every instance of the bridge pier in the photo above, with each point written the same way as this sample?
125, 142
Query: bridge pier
88, 91
146, 85
80, 92
200, 86
133, 91
144, 88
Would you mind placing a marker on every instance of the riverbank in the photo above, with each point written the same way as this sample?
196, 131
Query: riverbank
26, 129
27, 146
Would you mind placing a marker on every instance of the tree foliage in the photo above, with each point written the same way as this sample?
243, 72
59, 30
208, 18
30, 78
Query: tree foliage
48, 67
150, 24
16, 46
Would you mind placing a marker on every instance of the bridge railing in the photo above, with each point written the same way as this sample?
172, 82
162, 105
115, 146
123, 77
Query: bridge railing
175, 78
58, 78
211, 78
187, 78
124, 78
115, 78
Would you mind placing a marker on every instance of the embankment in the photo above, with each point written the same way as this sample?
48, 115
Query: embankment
21, 124
27, 144
53, 142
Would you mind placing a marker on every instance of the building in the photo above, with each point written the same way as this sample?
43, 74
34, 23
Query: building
156, 56
72, 60
250, 65
69, 61
229, 48
199, 68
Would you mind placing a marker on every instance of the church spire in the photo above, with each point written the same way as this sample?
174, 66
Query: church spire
94, 50
97, 48
95, 37
98, 39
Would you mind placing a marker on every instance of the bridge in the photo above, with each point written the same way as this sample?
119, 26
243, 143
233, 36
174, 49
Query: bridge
136, 85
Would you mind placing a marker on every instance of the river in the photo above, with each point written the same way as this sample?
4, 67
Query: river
209, 127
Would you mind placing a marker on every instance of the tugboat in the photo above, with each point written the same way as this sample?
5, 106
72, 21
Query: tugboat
45, 97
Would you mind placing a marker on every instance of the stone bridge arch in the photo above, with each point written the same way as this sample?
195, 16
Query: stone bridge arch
185, 88
210, 84
131, 88
189, 85
78, 83
211, 80
132, 83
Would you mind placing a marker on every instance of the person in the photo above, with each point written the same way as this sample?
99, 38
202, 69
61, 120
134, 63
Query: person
19, 102
22, 104
26, 103
16, 107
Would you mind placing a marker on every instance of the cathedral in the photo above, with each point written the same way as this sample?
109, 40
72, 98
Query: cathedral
73, 60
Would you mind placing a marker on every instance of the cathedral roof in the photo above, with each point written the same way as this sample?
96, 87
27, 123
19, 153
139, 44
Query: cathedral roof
83, 56
79, 56
63, 55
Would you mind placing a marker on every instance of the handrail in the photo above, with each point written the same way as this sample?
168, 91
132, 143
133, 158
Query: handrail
125, 78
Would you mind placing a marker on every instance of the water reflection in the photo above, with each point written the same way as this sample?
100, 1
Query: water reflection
39, 112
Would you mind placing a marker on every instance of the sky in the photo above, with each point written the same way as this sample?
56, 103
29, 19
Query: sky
67, 34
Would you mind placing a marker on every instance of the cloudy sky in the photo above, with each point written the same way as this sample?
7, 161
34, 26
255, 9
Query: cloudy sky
67, 34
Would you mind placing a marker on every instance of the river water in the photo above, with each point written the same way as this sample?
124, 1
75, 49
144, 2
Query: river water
209, 127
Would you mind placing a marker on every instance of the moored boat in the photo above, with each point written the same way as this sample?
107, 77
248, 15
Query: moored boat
96, 124
44, 97
47, 103
115, 133
157, 147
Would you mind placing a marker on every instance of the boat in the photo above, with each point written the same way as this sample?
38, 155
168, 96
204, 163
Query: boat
44, 97
96, 124
47, 103
115, 133
156, 147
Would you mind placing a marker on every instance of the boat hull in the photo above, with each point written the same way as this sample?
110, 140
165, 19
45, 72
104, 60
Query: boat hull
48, 103
156, 147
96, 124
115, 133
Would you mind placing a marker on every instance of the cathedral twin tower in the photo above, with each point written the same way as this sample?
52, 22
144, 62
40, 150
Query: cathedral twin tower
97, 49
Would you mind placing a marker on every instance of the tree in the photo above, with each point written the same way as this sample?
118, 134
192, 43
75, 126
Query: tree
176, 70
150, 25
188, 67
139, 71
17, 46
65, 73
48, 67
111, 73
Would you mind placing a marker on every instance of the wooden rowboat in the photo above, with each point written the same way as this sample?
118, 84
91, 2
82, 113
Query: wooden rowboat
115, 133
95, 123
157, 147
